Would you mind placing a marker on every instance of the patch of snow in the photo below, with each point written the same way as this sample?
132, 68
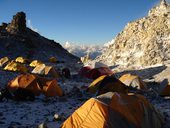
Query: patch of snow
109, 43
31, 114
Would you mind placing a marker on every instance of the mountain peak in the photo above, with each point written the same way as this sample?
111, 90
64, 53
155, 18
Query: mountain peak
18, 23
163, 2
160, 10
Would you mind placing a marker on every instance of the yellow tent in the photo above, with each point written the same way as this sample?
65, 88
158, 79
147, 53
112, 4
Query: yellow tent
133, 80
105, 84
94, 86
21, 60
3, 61
50, 70
13, 66
42, 69
35, 63
50, 87
39, 69
28, 82
52, 59
115, 110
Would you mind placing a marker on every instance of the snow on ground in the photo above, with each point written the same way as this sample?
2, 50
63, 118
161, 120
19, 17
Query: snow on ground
32, 113
24, 114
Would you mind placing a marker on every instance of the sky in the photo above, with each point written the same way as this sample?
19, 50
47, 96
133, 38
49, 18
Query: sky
78, 21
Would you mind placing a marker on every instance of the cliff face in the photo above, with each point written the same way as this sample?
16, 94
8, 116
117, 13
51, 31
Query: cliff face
18, 40
142, 42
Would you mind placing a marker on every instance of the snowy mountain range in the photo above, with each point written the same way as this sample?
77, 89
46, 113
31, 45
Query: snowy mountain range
82, 50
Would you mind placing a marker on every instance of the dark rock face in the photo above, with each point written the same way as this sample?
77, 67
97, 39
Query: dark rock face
18, 23
3, 26
18, 40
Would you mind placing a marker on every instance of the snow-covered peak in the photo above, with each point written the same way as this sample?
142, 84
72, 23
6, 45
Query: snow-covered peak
81, 50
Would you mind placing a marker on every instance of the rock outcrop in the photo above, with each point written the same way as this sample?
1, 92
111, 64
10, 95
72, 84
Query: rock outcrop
18, 24
18, 40
143, 42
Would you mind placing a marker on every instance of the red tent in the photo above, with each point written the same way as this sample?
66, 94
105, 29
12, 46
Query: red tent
95, 72
84, 71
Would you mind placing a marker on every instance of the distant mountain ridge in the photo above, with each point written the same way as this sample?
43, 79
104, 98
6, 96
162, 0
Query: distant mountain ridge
143, 42
82, 50
16, 39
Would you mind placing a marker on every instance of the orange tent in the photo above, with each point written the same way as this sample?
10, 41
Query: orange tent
36, 85
50, 87
27, 82
105, 84
133, 80
114, 110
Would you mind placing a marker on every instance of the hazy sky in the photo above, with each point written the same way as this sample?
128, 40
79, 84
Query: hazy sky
79, 21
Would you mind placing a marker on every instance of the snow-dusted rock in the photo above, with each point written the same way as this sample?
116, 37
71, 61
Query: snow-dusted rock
142, 42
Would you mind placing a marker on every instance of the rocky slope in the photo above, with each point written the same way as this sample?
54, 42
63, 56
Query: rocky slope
18, 40
143, 42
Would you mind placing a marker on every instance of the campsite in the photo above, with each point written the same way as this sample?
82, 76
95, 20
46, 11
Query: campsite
49, 99
124, 83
